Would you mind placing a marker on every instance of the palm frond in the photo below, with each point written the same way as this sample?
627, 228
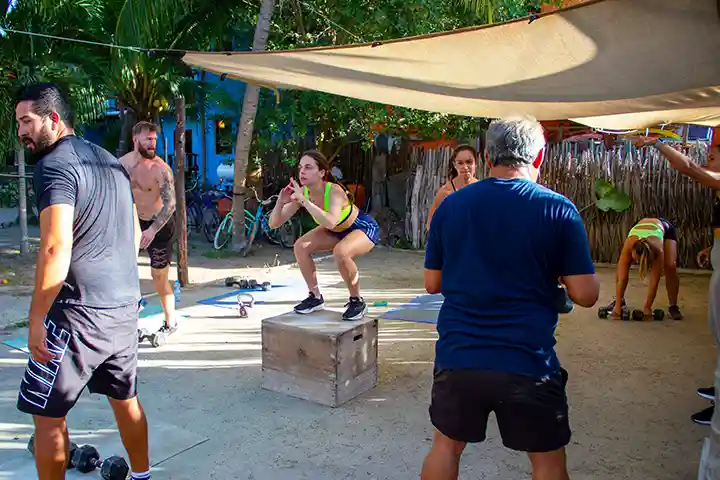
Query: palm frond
484, 9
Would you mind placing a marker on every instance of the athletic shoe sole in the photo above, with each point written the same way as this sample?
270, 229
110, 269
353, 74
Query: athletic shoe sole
701, 422
705, 396
356, 317
310, 310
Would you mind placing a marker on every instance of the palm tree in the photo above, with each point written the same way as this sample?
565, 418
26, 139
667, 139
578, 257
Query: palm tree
245, 131
482, 8
504, 10
27, 59
144, 84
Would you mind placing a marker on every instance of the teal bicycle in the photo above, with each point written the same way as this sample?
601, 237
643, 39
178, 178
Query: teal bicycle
258, 222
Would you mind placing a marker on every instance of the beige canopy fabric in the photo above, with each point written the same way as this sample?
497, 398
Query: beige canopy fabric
613, 64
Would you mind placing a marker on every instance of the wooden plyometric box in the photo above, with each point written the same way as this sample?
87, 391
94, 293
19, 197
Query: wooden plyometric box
319, 357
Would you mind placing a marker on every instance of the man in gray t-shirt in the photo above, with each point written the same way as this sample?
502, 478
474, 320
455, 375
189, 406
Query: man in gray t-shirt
83, 315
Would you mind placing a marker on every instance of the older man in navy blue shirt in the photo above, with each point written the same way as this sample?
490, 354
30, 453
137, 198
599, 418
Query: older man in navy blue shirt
496, 250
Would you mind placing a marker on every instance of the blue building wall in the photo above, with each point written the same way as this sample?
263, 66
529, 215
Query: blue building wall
213, 115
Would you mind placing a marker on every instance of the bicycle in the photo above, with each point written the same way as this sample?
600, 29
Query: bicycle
284, 235
193, 206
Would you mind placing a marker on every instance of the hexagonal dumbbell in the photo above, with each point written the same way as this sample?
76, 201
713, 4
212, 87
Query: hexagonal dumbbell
657, 315
605, 312
86, 459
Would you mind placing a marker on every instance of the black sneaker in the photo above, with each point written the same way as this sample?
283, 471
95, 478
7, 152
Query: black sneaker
310, 304
356, 309
675, 313
707, 393
703, 417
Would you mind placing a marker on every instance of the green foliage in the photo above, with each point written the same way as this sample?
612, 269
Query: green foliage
146, 84
609, 197
495, 11
603, 188
336, 121
25, 59
8, 194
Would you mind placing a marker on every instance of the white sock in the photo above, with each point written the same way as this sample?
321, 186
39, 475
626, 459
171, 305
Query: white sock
141, 476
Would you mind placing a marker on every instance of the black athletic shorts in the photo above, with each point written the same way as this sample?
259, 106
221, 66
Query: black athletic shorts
160, 249
532, 415
670, 230
93, 347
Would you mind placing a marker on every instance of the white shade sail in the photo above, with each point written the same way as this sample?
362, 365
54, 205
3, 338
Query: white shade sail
616, 64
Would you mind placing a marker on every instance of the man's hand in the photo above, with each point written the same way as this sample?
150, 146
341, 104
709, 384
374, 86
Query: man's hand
703, 257
147, 237
37, 343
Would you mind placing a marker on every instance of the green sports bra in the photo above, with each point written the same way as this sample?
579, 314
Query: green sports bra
656, 231
344, 213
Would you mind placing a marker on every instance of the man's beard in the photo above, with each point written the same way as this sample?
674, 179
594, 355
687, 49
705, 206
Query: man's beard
146, 153
39, 144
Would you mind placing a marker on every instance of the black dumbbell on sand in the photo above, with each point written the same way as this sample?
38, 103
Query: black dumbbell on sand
657, 315
86, 459
605, 312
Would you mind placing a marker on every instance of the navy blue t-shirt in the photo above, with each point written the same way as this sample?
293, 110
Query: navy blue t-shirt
501, 246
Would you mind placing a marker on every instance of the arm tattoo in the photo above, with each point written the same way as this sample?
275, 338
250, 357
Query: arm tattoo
167, 195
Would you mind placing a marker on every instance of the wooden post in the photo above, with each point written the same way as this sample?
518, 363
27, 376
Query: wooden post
22, 200
180, 209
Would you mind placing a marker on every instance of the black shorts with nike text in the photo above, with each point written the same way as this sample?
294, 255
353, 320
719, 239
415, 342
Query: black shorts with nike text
160, 249
532, 415
93, 347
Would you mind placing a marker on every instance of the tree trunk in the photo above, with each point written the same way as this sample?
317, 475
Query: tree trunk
180, 208
245, 131
125, 133
379, 182
22, 200
203, 132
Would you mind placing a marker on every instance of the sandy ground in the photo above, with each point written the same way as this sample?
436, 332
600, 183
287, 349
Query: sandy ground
632, 390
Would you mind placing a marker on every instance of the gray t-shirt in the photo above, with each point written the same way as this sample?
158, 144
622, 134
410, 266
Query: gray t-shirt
103, 269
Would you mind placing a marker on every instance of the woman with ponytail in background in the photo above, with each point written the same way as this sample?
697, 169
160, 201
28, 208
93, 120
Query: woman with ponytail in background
342, 228
463, 165
652, 243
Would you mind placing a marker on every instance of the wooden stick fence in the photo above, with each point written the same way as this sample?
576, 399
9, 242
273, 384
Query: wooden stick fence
654, 188
430, 172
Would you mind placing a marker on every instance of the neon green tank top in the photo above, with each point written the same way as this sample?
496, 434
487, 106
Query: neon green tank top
344, 213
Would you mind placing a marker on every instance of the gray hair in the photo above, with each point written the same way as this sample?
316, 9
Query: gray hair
514, 142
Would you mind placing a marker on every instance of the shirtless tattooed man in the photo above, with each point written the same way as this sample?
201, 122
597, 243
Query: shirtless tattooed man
154, 191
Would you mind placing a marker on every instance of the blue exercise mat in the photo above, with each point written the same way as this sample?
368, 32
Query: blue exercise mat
19, 343
148, 313
422, 309
289, 291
